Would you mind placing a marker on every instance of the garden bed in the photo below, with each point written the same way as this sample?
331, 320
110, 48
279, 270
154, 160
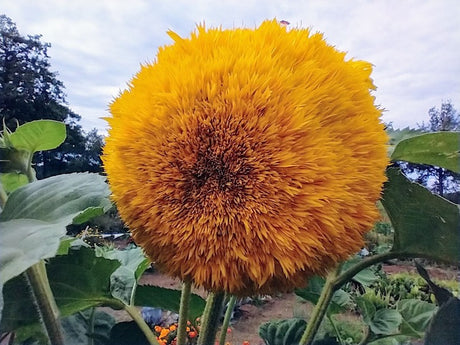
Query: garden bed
252, 315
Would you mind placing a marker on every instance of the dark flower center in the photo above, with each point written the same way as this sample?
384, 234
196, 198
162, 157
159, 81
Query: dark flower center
221, 164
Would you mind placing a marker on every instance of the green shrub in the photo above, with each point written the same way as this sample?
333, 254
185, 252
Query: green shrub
395, 287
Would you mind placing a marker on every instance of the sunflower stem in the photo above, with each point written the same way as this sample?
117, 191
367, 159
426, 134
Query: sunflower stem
183, 312
92, 317
210, 318
40, 289
320, 308
44, 300
137, 317
29, 171
228, 315
3, 196
336, 330
372, 260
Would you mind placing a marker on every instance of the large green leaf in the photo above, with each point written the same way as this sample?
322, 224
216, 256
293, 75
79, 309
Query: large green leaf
367, 309
1, 300
444, 328
425, 224
441, 149
68, 242
89, 213
24, 242
18, 310
282, 332
124, 333
416, 316
168, 299
77, 329
398, 135
385, 322
33, 334
124, 279
38, 135
365, 277
57, 197
12, 181
35, 216
312, 292
87, 328
441, 294
80, 280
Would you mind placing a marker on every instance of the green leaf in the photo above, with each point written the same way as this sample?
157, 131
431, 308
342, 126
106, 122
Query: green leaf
425, 224
282, 332
168, 299
124, 279
18, 309
367, 309
444, 328
312, 292
15, 161
35, 217
385, 322
441, 294
88, 214
131, 258
416, 316
12, 181
38, 135
57, 197
398, 135
24, 242
364, 277
80, 280
68, 242
1, 300
124, 333
78, 331
31, 334
440, 149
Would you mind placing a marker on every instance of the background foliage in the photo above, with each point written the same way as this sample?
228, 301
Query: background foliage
29, 91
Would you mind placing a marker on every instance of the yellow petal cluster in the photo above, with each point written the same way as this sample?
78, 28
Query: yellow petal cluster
247, 160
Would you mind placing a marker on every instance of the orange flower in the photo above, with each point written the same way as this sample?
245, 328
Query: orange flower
248, 160
164, 332
172, 328
192, 334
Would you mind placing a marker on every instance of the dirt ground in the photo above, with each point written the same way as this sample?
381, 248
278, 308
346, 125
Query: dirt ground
245, 327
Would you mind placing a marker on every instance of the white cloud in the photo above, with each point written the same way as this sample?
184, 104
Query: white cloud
97, 46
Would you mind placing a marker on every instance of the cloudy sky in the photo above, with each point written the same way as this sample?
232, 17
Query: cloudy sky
98, 45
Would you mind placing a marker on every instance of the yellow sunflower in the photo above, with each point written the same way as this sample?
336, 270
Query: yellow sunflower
247, 160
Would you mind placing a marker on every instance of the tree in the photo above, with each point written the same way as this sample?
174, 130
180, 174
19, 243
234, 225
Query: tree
444, 119
29, 90
438, 180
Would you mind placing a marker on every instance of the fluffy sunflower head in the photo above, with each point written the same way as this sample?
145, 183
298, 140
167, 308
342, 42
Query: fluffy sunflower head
247, 160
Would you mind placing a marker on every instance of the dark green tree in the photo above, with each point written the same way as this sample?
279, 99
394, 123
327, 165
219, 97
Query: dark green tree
29, 91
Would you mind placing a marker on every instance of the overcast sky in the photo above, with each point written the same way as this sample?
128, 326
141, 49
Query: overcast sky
98, 45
